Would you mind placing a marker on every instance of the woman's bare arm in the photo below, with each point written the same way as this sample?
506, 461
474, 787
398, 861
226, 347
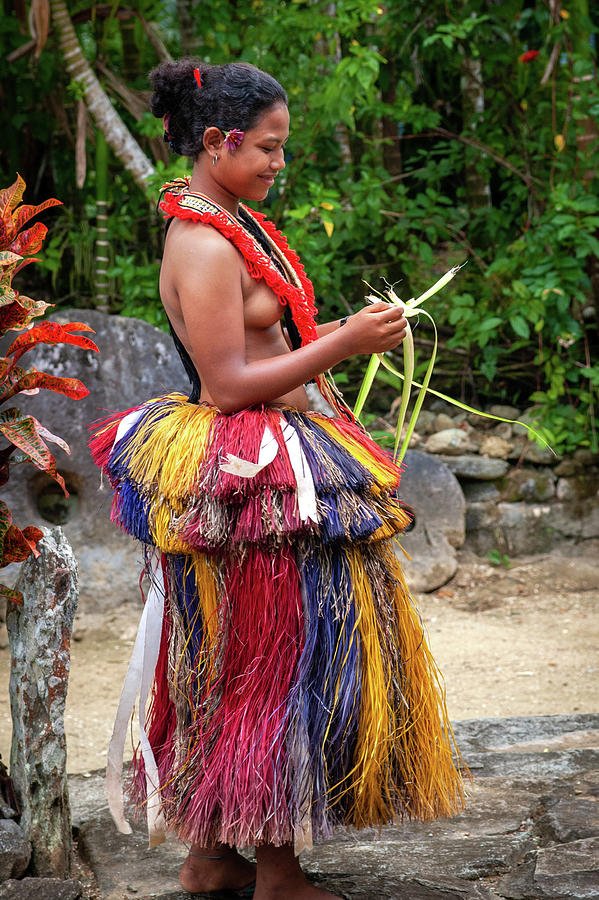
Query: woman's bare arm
207, 277
327, 327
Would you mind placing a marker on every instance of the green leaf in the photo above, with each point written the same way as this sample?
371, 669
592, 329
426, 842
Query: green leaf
520, 326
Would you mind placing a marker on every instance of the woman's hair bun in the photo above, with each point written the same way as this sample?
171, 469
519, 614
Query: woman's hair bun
231, 96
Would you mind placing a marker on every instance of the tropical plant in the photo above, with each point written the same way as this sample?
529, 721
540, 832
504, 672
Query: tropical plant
26, 437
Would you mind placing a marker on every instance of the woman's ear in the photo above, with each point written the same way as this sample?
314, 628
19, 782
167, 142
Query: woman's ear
213, 141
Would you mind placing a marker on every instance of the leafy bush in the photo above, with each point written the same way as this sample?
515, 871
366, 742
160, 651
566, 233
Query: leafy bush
25, 436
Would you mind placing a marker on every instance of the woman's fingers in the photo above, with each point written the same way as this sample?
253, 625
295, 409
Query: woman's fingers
380, 326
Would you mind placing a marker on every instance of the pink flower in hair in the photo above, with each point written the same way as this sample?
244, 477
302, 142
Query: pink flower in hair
233, 138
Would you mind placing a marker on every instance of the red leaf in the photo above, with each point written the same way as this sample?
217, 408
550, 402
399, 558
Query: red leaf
36, 307
25, 212
5, 520
17, 547
25, 262
14, 317
11, 197
44, 433
33, 536
13, 217
50, 333
15, 597
26, 433
18, 380
77, 326
29, 241
10, 377
8, 266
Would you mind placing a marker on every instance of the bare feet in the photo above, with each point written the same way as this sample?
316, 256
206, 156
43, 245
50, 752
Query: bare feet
303, 891
199, 874
279, 875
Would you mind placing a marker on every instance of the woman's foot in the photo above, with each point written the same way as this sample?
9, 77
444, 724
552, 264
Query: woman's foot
279, 875
299, 891
201, 872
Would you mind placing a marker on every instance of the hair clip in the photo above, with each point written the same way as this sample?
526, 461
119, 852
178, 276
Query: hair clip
197, 76
233, 138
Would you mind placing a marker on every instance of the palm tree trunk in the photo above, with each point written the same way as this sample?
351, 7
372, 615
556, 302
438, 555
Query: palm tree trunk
102, 258
473, 105
117, 135
189, 42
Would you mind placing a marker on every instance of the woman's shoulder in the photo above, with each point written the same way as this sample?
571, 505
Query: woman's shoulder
200, 240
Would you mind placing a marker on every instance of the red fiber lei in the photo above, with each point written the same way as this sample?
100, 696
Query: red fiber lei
185, 204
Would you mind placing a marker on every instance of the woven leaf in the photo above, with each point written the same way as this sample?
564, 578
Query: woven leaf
51, 333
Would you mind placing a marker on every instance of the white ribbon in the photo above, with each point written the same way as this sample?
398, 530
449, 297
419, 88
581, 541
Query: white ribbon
128, 422
139, 678
235, 465
306, 493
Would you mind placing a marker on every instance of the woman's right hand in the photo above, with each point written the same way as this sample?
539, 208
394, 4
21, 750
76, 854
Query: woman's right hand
376, 328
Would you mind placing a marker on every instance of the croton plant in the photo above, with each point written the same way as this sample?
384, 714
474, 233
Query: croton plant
26, 437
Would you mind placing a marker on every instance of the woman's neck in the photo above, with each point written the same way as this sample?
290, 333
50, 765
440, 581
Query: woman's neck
202, 182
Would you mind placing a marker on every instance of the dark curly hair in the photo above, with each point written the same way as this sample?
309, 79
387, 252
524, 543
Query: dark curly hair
231, 96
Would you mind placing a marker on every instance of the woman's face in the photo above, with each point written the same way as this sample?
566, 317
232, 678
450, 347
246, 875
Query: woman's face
249, 171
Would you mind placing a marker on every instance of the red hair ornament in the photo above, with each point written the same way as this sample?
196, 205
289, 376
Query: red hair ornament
197, 76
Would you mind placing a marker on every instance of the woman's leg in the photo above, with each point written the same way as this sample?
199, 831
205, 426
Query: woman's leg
279, 875
215, 869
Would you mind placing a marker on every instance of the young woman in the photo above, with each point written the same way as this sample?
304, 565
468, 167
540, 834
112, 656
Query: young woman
293, 690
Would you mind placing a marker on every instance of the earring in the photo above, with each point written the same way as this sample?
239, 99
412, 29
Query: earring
215, 159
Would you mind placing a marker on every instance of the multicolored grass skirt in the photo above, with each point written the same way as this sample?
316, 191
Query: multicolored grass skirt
294, 690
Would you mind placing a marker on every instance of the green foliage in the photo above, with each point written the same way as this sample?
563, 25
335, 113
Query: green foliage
420, 138
496, 558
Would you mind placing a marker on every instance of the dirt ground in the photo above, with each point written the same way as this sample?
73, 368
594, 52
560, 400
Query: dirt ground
510, 641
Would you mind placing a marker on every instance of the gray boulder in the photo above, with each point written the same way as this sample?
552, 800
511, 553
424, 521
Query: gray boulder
434, 493
480, 468
450, 441
15, 850
521, 528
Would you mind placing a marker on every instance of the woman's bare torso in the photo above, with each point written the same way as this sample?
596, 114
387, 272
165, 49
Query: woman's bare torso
262, 313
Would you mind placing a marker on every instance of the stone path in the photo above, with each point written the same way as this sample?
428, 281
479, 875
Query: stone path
530, 831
